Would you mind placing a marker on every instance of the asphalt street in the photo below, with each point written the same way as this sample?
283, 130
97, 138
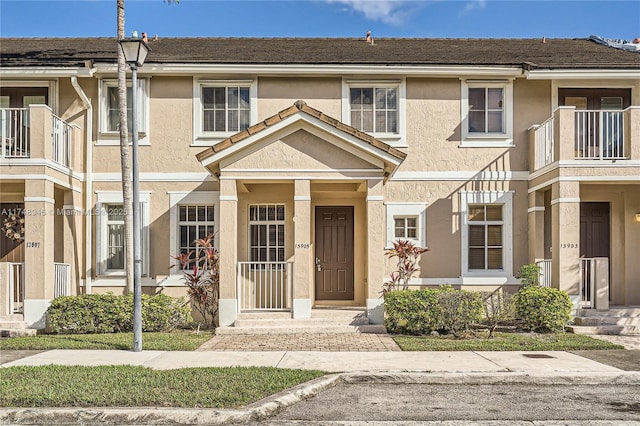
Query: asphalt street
418, 402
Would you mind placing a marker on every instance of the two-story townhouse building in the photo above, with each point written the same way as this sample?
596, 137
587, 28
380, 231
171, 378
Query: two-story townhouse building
309, 157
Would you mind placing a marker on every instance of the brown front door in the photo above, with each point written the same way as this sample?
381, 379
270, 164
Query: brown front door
334, 253
595, 231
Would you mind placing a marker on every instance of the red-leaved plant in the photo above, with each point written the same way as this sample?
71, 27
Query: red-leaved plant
202, 276
407, 254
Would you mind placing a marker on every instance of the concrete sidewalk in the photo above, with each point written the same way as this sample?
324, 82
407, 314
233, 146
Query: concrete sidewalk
550, 362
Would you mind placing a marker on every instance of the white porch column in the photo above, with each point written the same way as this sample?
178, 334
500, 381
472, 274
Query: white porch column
39, 250
303, 254
228, 308
376, 228
565, 213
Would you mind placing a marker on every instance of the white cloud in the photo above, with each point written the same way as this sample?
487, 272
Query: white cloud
386, 11
472, 5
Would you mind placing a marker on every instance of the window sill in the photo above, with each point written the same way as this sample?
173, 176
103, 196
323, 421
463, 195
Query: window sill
486, 143
416, 243
392, 139
113, 139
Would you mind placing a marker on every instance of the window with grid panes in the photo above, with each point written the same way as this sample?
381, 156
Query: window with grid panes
115, 237
485, 237
225, 109
266, 233
374, 109
406, 227
486, 110
195, 222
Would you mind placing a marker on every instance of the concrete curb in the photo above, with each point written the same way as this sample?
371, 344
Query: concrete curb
507, 378
269, 406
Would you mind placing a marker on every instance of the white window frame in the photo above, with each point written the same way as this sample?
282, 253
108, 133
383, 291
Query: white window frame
397, 140
402, 210
267, 222
202, 138
106, 198
112, 138
181, 198
487, 140
504, 198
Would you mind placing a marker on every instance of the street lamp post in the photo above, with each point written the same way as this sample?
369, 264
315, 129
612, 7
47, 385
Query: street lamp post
135, 51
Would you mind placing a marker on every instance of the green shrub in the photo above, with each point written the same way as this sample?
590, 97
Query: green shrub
411, 312
529, 274
459, 309
543, 308
107, 313
417, 312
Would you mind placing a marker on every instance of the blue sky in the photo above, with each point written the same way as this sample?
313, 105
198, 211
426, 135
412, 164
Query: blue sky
324, 18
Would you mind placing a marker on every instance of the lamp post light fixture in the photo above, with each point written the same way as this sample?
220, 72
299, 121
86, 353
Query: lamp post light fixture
135, 52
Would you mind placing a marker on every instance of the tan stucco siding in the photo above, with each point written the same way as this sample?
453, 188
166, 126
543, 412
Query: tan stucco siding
159, 217
276, 94
443, 234
299, 150
170, 133
434, 127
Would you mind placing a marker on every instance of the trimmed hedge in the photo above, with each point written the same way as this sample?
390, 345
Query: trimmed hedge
108, 313
418, 312
543, 308
411, 312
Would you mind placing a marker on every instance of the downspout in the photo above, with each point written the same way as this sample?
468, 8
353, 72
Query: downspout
88, 184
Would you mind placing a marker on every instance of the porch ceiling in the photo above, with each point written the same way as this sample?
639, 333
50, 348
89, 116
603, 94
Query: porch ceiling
300, 139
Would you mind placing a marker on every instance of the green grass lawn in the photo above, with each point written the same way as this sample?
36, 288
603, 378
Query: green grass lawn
127, 386
174, 341
504, 342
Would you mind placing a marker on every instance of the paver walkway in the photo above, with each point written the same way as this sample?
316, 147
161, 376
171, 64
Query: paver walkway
324, 342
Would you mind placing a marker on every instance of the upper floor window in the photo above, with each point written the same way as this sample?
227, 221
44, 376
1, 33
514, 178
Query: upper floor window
223, 108
376, 107
487, 113
486, 110
109, 123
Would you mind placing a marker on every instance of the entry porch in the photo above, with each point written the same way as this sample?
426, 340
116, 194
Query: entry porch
302, 218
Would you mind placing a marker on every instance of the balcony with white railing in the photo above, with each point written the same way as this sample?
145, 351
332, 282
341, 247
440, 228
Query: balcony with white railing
36, 133
586, 135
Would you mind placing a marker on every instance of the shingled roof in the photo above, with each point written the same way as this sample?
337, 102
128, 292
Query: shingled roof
532, 53
292, 110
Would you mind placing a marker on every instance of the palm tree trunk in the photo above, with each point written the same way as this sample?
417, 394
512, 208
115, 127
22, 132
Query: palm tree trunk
125, 160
